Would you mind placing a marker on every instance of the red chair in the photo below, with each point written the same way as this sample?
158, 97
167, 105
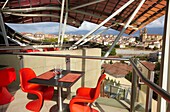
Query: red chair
43, 92
7, 76
86, 95
81, 107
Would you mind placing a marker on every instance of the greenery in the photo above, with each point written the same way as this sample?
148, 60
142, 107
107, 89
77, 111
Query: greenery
113, 52
117, 46
111, 62
157, 66
52, 40
129, 76
144, 57
155, 48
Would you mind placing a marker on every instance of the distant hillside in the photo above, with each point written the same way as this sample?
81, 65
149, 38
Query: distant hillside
158, 30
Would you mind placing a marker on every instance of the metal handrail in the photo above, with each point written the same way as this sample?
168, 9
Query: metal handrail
150, 84
71, 56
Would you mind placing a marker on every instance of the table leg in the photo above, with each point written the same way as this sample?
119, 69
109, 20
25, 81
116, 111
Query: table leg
60, 103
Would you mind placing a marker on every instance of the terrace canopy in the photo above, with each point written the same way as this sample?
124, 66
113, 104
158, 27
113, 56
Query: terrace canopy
95, 11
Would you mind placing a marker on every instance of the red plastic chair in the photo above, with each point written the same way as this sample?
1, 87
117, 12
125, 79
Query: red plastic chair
86, 95
80, 107
7, 76
43, 92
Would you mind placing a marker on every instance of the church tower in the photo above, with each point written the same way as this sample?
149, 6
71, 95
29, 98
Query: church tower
143, 34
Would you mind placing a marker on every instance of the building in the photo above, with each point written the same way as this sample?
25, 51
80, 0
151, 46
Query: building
153, 40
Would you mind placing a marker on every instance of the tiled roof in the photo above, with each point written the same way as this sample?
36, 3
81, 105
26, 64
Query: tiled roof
117, 69
149, 65
30, 11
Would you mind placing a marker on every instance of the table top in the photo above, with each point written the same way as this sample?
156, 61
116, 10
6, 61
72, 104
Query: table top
55, 82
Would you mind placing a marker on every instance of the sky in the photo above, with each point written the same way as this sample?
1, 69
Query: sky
52, 28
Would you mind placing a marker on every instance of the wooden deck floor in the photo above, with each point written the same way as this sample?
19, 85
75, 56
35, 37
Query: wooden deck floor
21, 99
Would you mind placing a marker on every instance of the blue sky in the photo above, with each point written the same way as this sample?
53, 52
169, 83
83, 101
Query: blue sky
52, 28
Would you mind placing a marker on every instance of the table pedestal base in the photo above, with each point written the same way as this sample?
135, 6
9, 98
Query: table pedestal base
55, 108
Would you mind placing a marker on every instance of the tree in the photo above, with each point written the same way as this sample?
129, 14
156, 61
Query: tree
111, 62
129, 76
113, 52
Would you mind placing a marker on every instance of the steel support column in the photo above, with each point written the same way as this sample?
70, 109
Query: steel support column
61, 21
165, 61
149, 93
124, 28
3, 30
102, 23
4, 4
65, 22
134, 88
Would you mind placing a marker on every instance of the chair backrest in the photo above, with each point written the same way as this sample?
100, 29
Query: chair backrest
25, 75
7, 76
96, 91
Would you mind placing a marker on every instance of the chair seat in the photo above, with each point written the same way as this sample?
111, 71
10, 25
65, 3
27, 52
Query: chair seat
34, 105
5, 96
7, 76
81, 107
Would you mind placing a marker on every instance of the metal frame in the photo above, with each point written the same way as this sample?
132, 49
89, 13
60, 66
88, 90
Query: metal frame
4, 4
61, 21
102, 23
124, 28
3, 30
65, 22
17, 12
165, 61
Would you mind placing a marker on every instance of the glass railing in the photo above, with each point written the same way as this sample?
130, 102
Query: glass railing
113, 88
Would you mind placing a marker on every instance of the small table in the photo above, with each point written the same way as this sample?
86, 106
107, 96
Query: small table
56, 82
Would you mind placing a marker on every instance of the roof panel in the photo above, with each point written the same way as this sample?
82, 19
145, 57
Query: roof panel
151, 10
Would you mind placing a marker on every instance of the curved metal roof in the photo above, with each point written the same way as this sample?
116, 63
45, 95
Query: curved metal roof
95, 11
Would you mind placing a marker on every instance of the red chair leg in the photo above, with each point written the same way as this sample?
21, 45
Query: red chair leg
5, 96
34, 105
48, 93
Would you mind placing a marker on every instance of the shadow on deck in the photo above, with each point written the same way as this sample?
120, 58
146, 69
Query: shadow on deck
21, 99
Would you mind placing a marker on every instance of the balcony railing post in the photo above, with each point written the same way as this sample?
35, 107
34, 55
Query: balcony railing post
134, 86
83, 68
149, 93
67, 59
68, 62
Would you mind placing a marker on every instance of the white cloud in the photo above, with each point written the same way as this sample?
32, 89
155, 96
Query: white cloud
157, 23
88, 26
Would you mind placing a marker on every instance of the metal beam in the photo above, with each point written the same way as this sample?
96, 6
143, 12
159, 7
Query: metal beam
102, 23
87, 4
14, 12
32, 9
33, 15
3, 30
165, 61
61, 21
65, 22
124, 28
4, 4
134, 89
